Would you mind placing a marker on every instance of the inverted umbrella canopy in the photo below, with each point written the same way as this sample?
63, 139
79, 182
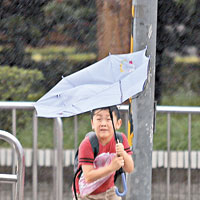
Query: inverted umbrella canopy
110, 81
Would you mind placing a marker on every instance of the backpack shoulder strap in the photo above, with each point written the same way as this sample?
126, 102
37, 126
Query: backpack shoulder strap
79, 171
94, 142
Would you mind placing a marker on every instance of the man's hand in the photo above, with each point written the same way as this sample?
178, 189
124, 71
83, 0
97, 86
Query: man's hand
116, 163
120, 149
128, 161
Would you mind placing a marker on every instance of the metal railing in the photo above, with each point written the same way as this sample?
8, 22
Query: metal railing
58, 159
18, 177
179, 110
58, 132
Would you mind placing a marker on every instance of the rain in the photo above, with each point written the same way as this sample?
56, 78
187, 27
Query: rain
42, 41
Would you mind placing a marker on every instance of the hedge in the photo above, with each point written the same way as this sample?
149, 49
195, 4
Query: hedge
19, 84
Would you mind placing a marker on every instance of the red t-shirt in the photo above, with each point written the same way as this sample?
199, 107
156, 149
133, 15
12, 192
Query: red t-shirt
86, 157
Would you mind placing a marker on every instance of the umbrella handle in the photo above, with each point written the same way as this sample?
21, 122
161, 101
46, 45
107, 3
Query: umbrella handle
124, 186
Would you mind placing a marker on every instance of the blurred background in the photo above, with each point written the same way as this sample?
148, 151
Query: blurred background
43, 40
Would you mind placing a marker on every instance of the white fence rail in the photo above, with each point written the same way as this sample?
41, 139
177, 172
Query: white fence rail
179, 159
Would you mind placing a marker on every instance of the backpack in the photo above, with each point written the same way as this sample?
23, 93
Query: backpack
95, 147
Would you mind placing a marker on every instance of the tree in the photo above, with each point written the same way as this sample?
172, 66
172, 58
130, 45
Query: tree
191, 23
76, 19
22, 23
113, 26
177, 29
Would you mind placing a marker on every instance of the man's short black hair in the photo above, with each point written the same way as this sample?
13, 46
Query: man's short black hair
112, 108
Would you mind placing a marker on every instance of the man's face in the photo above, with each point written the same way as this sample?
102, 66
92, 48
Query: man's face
102, 123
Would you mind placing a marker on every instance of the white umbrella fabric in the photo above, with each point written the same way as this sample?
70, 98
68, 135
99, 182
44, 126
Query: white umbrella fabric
110, 81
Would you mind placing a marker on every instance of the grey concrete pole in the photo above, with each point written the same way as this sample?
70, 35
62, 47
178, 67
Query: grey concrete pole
144, 34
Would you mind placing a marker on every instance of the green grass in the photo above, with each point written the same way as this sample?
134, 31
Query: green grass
179, 124
179, 132
181, 98
59, 52
187, 59
51, 49
82, 57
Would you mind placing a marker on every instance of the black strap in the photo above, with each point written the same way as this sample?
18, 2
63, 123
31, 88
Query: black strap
74, 181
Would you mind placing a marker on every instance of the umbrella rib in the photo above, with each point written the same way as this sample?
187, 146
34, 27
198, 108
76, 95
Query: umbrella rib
111, 64
120, 87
